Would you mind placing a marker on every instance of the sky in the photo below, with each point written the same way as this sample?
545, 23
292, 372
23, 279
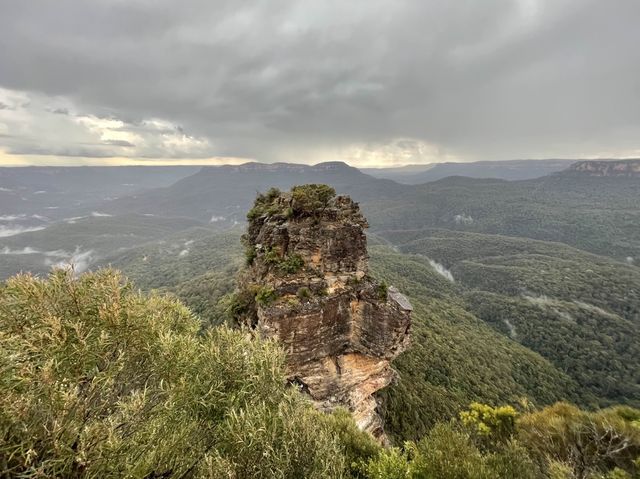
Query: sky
369, 82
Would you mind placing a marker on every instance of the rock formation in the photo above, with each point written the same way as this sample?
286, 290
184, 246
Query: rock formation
306, 285
617, 168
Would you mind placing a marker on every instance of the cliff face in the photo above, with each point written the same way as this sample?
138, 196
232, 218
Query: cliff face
626, 168
307, 286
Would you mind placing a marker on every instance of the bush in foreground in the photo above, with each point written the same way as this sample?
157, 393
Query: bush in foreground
97, 380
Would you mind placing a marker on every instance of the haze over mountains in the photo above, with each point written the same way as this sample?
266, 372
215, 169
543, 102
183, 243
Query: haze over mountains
505, 170
62, 211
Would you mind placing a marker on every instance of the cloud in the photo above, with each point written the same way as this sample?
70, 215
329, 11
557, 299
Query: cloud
78, 261
125, 143
60, 111
441, 270
370, 81
37, 125
16, 230
19, 217
26, 250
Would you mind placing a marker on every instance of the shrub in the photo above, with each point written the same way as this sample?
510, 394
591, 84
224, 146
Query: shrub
311, 199
272, 256
383, 290
288, 213
97, 380
587, 442
492, 425
449, 454
358, 447
250, 254
303, 293
391, 463
254, 213
291, 264
266, 295
264, 204
239, 304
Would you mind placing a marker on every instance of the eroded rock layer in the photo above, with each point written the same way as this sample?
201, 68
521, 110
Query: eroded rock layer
307, 285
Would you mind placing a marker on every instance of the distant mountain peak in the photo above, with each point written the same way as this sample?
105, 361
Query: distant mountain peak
329, 165
608, 168
283, 166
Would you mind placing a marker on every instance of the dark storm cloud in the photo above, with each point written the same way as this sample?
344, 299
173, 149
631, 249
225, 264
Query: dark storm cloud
75, 151
60, 111
272, 79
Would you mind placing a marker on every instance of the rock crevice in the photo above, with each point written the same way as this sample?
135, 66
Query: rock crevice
307, 286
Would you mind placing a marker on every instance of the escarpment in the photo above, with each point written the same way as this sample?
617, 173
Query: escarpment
307, 285
608, 168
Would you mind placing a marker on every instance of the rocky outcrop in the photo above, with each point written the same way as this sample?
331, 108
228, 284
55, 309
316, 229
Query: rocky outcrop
307, 285
618, 168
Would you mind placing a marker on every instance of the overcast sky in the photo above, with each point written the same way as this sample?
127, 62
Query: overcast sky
370, 82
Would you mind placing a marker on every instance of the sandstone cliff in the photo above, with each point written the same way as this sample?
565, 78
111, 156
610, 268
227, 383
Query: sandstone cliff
626, 168
306, 285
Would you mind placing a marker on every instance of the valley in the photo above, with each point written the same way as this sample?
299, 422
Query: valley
523, 273
523, 291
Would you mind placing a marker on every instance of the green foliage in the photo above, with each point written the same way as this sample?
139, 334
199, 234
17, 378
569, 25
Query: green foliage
599, 215
238, 304
266, 295
588, 443
291, 264
446, 453
496, 424
288, 213
303, 293
263, 204
104, 236
205, 296
523, 318
391, 463
358, 447
250, 254
97, 380
454, 358
200, 279
579, 311
306, 200
383, 290
513, 460
311, 199
133, 387
272, 257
